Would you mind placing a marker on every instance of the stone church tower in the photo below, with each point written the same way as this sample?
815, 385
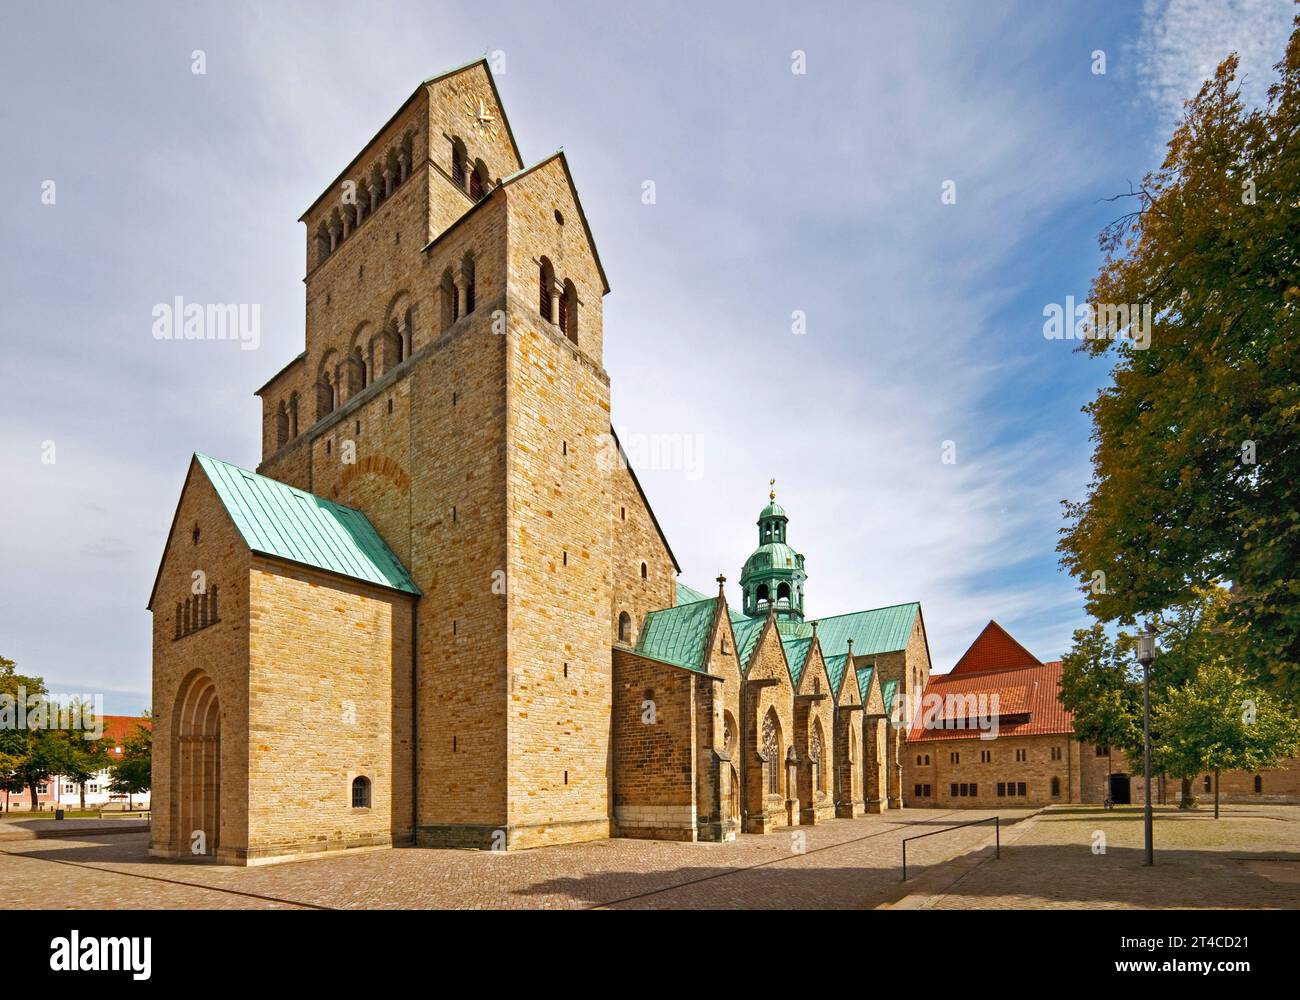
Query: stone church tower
451, 396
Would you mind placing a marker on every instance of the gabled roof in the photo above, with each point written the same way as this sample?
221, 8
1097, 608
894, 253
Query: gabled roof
679, 635
1027, 703
747, 632
835, 671
864, 679
994, 649
881, 630
644, 499
119, 728
514, 178
573, 191
278, 520
796, 654
415, 93
887, 689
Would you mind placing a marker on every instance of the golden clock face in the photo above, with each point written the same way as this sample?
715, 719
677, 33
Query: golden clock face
482, 115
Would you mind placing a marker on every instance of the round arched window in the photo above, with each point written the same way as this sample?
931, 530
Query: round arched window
360, 793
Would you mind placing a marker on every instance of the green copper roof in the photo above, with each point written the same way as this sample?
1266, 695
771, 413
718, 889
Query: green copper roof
835, 670
689, 595
773, 509
678, 635
864, 679
276, 519
771, 555
882, 630
746, 631
887, 690
796, 654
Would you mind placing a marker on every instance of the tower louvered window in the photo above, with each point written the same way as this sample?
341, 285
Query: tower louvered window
458, 167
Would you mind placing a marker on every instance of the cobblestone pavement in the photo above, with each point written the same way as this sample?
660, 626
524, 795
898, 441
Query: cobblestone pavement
1249, 858
843, 864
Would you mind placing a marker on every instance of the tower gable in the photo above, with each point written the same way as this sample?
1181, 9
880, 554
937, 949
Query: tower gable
994, 649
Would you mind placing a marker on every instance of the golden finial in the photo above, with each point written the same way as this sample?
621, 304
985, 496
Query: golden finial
772, 494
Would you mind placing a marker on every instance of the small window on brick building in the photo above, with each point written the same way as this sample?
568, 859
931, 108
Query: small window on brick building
1056, 753
986, 756
954, 790
645, 572
1020, 788
1020, 756
1103, 750
360, 793
1207, 783
545, 289
1056, 788
458, 160
624, 627
954, 758
1259, 784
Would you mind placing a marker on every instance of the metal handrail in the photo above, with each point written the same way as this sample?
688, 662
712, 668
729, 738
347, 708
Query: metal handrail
997, 833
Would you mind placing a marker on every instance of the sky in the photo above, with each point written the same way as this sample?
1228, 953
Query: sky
860, 213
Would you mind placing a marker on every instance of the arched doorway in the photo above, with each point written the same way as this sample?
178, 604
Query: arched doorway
196, 767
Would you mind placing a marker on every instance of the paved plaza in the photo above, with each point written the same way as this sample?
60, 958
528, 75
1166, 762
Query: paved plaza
1249, 858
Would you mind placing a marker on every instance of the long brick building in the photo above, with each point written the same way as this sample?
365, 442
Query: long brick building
993, 732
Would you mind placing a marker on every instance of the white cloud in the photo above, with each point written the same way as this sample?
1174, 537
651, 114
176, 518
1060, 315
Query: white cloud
1182, 42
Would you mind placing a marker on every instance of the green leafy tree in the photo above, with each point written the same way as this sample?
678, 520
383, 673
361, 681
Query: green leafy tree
1098, 688
42, 759
25, 757
78, 758
1220, 721
1196, 460
132, 775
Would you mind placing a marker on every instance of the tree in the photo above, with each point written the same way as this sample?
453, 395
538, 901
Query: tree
1098, 689
41, 760
78, 758
1220, 721
132, 775
25, 757
1196, 460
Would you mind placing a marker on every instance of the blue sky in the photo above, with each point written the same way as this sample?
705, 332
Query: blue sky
775, 192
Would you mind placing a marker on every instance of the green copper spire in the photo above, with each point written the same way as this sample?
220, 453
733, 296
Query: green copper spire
773, 576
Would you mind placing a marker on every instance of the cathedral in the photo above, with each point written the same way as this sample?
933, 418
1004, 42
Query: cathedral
442, 611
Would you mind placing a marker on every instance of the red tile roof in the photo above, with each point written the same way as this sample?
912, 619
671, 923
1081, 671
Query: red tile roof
119, 728
1027, 703
994, 649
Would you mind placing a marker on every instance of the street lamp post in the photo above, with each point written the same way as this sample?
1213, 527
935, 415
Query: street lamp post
1146, 655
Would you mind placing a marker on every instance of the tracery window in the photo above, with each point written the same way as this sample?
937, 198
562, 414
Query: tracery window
772, 752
